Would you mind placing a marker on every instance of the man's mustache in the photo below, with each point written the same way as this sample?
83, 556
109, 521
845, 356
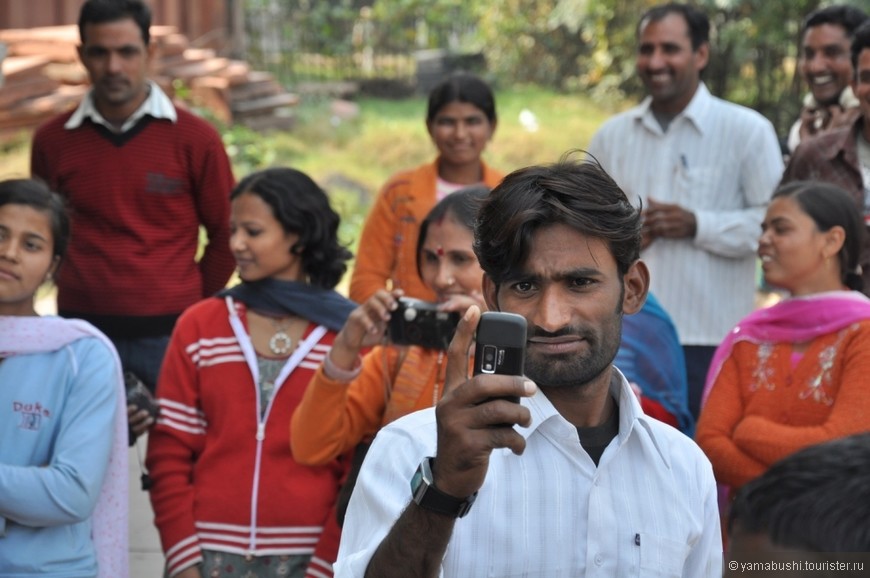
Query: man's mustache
574, 331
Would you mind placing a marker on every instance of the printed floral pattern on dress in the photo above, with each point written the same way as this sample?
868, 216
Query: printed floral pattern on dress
228, 565
763, 374
817, 388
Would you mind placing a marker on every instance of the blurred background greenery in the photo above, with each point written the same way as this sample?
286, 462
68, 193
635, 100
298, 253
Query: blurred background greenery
584, 46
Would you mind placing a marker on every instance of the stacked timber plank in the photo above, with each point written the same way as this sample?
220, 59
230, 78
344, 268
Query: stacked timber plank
43, 77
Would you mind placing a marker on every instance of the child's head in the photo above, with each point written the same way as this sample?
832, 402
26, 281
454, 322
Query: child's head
815, 500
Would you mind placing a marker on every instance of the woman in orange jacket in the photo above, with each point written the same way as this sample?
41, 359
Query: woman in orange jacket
350, 398
461, 120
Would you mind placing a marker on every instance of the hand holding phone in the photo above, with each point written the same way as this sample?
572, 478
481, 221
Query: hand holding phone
464, 443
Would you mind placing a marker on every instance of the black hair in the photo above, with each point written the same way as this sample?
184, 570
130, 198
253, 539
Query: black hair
462, 87
302, 208
849, 18
830, 206
462, 205
103, 11
817, 499
35, 194
860, 42
696, 21
580, 195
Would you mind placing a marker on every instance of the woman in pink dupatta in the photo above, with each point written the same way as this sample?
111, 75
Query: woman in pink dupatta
63, 456
794, 374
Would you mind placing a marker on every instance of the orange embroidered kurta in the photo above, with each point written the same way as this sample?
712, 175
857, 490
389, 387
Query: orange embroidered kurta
762, 408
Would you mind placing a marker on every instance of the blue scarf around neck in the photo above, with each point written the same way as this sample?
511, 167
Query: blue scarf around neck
277, 297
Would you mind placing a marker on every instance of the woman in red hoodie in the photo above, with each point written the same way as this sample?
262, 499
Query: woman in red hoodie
229, 498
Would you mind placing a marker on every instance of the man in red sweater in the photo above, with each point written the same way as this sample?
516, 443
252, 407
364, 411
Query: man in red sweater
140, 177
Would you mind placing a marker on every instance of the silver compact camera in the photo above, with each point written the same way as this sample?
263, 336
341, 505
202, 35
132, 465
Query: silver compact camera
417, 322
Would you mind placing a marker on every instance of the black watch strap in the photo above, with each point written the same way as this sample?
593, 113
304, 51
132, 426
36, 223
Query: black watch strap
428, 497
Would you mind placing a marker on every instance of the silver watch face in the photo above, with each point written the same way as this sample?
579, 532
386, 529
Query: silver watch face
419, 483
416, 481
426, 495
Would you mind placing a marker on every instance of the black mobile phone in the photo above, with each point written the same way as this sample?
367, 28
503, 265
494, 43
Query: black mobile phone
501, 344
416, 322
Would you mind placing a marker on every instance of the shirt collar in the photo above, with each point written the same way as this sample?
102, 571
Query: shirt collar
632, 420
847, 99
157, 105
694, 112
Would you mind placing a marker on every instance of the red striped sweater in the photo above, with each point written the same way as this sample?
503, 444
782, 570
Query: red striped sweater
224, 477
137, 201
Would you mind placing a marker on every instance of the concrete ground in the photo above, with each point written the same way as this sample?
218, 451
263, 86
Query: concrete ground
146, 557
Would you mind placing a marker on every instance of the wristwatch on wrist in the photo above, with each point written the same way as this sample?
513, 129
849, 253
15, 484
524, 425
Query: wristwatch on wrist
428, 497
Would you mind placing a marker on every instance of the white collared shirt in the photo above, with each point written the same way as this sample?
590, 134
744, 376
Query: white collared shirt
648, 509
157, 105
720, 160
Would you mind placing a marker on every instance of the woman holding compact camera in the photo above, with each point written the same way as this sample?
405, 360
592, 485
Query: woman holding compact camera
461, 120
229, 499
351, 397
63, 456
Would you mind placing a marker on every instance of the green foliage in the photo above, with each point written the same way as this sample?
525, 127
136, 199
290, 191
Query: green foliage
571, 45
536, 41
420, 24
247, 150
325, 25
754, 47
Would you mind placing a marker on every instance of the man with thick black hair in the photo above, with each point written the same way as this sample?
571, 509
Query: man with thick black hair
574, 478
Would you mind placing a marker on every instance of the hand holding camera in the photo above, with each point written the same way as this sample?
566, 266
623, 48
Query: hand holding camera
407, 321
365, 327
142, 408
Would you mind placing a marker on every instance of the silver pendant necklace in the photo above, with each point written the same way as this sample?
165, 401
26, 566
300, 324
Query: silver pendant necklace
280, 343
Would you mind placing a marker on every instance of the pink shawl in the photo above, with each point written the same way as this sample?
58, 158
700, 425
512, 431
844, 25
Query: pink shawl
793, 320
28, 335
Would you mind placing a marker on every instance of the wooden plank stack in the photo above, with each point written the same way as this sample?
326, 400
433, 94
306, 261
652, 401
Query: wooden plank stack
43, 77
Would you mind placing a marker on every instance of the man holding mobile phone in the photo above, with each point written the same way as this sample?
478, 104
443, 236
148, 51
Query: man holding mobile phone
572, 481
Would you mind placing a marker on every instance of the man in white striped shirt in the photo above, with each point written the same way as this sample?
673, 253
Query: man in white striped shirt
704, 170
572, 481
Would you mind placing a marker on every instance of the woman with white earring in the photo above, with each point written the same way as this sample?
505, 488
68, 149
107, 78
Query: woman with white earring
63, 428
229, 498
